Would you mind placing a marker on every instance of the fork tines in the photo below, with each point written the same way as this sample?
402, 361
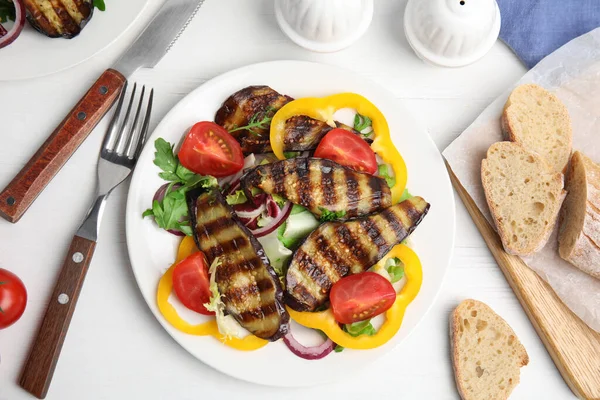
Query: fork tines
125, 137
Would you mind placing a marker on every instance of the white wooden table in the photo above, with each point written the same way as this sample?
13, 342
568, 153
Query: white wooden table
115, 349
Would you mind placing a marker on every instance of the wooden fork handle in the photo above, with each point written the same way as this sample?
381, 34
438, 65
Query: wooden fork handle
21, 192
43, 356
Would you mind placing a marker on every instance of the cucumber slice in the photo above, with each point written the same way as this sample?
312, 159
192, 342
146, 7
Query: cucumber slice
276, 252
296, 228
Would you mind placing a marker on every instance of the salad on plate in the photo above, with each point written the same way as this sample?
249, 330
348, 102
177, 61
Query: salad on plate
288, 209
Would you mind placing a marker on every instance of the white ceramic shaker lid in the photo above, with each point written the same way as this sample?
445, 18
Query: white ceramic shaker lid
324, 25
451, 33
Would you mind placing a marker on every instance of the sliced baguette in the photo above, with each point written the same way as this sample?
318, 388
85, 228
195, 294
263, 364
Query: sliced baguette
486, 353
579, 234
538, 120
524, 196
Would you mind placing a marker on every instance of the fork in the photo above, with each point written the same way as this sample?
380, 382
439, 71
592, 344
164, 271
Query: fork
120, 150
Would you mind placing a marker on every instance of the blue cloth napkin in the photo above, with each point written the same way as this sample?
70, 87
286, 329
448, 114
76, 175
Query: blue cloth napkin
535, 28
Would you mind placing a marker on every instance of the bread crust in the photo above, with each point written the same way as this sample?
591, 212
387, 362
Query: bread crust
579, 234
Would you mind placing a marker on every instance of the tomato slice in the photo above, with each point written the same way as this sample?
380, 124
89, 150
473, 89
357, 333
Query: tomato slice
361, 296
349, 149
13, 298
191, 282
208, 149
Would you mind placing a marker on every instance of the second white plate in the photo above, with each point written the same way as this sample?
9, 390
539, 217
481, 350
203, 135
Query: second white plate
34, 54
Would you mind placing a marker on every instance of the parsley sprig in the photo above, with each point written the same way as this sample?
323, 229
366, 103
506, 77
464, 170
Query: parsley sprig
259, 121
171, 213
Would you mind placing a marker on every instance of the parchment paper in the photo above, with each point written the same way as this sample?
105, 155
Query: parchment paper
573, 74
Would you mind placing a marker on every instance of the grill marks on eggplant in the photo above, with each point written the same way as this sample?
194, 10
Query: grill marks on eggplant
56, 18
250, 288
244, 105
336, 249
320, 184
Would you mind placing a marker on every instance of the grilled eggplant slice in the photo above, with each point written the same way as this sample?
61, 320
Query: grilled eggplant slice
251, 103
250, 288
323, 186
303, 133
336, 249
56, 18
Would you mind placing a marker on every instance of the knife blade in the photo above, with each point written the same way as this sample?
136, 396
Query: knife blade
160, 35
146, 51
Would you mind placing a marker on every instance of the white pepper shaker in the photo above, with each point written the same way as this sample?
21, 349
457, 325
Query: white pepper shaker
451, 33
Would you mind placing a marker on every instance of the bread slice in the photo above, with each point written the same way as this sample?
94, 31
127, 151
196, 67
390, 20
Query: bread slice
579, 234
524, 196
486, 353
538, 120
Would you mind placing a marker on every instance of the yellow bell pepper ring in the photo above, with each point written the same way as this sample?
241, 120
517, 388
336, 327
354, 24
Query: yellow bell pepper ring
186, 248
165, 287
323, 108
325, 321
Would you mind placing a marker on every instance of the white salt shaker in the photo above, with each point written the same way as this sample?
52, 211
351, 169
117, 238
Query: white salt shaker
324, 25
451, 33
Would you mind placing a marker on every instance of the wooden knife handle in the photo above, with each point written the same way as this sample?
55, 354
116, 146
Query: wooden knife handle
39, 368
21, 192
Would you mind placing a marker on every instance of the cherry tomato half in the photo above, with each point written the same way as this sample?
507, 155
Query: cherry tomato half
191, 283
13, 298
208, 149
349, 149
361, 296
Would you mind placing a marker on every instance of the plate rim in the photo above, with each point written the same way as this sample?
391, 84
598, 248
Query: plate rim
240, 70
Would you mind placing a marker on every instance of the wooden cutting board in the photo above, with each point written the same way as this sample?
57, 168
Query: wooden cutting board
574, 347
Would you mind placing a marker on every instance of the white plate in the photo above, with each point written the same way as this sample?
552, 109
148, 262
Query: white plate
152, 251
33, 54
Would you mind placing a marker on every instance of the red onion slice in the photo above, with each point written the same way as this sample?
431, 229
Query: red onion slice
308, 353
251, 224
15, 31
275, 223
259, 200
273, 209
251, 214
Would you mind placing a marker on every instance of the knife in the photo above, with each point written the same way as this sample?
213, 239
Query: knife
146, 51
